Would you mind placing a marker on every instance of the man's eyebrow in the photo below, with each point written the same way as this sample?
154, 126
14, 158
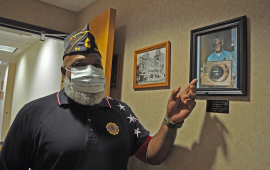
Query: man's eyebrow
97, 60
77, 60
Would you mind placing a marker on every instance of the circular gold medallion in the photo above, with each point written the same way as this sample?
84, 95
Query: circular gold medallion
219, 72
112, 128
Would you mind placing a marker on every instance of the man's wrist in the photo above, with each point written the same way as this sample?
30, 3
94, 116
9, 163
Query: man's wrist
171, 124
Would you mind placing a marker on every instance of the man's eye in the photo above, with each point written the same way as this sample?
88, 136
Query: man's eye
79, 65
97, 65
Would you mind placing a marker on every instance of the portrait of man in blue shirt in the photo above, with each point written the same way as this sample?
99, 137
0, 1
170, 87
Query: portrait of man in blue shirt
221, 54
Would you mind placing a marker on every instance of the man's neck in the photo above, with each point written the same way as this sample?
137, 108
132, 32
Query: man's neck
219, 52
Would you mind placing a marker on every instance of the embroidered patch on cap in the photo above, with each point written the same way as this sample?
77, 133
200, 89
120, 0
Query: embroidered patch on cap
80, 42
87, 43
112, 128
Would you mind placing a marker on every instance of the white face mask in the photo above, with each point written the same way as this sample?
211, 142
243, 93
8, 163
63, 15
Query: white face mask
87, 79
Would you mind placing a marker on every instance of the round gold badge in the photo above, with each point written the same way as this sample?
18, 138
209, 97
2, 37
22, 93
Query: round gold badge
112, 128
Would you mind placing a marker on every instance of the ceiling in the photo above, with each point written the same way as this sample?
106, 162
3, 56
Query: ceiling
17, 39
72, 5
23, 40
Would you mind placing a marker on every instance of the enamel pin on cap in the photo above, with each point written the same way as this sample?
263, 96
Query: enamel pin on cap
112, 128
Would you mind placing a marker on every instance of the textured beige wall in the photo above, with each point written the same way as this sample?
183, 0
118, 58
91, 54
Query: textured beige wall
39, 13
238, 140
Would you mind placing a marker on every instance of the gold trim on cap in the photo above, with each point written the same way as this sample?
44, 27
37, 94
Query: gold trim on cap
78, 39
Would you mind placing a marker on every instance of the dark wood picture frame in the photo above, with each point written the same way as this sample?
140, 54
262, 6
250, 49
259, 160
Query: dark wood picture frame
205, 65
152, 66
2, 84
115, 71
1, 95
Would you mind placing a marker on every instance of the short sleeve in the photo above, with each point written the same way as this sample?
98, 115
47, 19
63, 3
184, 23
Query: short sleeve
139, 137
140, 134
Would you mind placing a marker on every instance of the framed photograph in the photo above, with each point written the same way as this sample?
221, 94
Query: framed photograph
115, 71
2, 85
1, 95
152, 66
218, 58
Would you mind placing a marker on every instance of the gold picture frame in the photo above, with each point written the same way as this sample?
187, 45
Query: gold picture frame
152, 66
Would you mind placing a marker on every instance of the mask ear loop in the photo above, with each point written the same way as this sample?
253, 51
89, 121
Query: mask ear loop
68, 69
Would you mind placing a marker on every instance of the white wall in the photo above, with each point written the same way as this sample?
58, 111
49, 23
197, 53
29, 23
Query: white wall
38, 73
3, 77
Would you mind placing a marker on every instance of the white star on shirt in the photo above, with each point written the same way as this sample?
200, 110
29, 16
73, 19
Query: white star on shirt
121, 107
136, 132
132, 119
109, 98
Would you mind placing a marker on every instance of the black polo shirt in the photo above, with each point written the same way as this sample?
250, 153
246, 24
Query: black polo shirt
55, 132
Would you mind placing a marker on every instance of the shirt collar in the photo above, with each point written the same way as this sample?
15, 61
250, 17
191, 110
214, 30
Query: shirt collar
62, 99
221, 51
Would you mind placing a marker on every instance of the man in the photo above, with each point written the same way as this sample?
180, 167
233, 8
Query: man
221, 54
78, 128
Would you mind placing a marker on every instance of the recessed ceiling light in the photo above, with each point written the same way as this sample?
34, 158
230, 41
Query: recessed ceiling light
7, 48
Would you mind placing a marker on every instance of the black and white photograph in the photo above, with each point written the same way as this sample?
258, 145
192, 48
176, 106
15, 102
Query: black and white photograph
151, 67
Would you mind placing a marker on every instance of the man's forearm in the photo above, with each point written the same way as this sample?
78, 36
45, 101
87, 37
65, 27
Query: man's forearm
180, 105
160, 145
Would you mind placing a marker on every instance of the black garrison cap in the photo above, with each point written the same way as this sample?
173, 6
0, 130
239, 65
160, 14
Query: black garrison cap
80, 42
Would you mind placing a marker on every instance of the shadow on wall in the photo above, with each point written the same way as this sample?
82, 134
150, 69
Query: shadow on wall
201, 156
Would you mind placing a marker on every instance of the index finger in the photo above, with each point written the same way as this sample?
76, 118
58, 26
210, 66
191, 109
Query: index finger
193, 82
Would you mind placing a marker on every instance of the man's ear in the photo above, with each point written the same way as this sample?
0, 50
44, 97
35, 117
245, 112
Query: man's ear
63, 71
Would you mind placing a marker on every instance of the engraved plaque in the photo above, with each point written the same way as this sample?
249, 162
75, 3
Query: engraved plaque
217, 106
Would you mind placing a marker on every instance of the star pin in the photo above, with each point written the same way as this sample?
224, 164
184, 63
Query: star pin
121, 107
132, 119
136, 132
